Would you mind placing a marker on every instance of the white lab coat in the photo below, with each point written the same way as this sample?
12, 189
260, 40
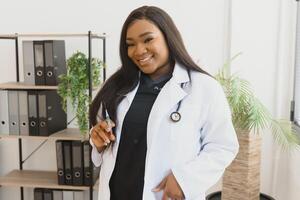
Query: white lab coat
197, 149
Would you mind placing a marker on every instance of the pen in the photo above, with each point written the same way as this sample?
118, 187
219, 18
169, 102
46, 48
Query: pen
108, 121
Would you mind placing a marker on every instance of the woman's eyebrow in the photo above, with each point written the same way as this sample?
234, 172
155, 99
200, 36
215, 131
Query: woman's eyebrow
141, 35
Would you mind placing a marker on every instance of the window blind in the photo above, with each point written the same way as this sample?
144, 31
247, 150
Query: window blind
297, 72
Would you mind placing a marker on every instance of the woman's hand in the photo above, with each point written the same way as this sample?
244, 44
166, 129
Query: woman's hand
171, 188
102, 135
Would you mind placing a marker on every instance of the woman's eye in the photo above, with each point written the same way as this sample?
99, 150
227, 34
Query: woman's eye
148, 40
129, 45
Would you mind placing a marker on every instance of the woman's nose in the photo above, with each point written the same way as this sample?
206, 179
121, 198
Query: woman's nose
140, 49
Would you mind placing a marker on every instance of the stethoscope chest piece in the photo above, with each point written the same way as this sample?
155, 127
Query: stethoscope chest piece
175, 116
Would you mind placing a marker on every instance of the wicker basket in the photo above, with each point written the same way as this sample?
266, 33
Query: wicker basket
241, 180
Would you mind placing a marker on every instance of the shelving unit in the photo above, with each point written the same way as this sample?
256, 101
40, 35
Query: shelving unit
45, 179
66, 134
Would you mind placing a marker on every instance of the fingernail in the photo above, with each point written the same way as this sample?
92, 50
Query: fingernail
107, 141
155, 190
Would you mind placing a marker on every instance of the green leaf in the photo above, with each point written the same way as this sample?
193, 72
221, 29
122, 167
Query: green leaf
74, 86
249, 113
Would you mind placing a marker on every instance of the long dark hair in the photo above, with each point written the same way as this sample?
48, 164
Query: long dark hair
126, 78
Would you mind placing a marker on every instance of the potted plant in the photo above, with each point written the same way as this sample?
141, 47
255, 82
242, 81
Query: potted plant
250, 117
74, 85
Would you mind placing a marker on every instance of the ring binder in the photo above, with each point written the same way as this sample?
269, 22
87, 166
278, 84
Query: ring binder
4, 121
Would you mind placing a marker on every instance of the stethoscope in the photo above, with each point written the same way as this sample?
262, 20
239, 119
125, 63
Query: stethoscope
176, 116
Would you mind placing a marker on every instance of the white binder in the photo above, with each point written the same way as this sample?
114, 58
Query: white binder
13, 110
23, 113
28, 62
79, 195
57, 195
68, 195
4, 121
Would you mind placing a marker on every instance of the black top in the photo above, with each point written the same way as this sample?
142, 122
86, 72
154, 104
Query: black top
127, 180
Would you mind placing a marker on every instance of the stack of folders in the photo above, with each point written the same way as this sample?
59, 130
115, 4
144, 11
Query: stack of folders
44, 61
48, 194
34, 113
74, 165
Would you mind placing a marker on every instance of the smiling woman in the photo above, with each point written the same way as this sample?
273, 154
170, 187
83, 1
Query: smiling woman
149, 153
148, 50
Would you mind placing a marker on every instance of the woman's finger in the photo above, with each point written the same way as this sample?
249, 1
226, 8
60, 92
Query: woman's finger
160, 186
165, 196
97, 140
107, 126
103, 136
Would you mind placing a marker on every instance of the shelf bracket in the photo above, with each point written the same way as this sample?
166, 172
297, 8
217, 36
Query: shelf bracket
71, 120
35, 150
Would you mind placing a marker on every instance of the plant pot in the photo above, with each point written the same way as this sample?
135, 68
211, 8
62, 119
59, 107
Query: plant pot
241, 179
218, 196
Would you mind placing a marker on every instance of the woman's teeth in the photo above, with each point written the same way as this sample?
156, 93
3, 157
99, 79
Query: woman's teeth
145, 60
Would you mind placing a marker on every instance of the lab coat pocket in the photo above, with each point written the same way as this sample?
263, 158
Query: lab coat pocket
186, 128
185, 137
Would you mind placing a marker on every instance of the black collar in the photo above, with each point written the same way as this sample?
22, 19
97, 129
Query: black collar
146, 79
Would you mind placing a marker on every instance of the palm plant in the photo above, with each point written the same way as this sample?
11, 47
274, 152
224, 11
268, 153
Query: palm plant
241, 179
248, 113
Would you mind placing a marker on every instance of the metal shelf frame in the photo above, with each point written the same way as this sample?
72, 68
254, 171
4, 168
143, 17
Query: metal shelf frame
90, 36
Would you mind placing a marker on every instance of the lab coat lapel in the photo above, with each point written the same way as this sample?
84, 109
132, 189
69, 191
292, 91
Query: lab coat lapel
168, 98
123, 109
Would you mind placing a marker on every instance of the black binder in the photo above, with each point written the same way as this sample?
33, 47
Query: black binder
42, 113
55, 61
38, 194
60, 162
68, 162
56, 116
45, 113
77, 162
33, 113
48, 194
91, 172
39, 62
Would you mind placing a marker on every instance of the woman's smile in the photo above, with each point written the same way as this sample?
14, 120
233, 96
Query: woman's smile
145, 60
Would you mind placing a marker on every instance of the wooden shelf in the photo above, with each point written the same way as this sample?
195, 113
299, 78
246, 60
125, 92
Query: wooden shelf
66, 134
31, 179
2, 136
26, 86
94, 35
23, 86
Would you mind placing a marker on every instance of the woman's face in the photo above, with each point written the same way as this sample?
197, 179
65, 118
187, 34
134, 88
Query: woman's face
148, 49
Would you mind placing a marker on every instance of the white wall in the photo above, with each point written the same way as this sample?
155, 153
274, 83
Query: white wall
200, 22
265, 32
